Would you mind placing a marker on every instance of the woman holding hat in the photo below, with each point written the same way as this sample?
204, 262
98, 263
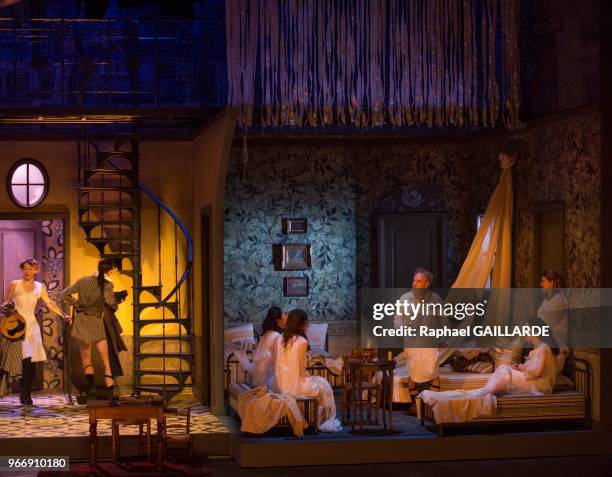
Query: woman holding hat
25, 293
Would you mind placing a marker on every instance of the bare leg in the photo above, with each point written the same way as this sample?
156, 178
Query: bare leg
85, 349
435, 384
102, 347
498, 382
88, 369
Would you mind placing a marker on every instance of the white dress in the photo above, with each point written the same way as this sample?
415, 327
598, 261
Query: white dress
553, 311
263, 360
292, 379
421, 363
25, 304
537, 376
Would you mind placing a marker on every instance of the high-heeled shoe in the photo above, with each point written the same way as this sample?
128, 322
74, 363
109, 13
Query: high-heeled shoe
110, 389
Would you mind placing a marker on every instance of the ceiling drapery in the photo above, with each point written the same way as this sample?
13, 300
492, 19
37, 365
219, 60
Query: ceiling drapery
373, 62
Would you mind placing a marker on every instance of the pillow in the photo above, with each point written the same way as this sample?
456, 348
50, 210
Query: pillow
480, 367
563, 383
512, 354
467, 360
316, 333
243, 335
471, 353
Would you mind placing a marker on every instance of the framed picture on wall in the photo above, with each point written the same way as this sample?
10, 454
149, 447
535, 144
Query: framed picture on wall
292, 256
295, 226
296, 286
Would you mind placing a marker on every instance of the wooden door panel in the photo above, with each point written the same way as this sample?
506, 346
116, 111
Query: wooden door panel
19, 240
549, 244
409, 241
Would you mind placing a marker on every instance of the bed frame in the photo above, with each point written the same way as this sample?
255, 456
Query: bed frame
557, 407
236, 384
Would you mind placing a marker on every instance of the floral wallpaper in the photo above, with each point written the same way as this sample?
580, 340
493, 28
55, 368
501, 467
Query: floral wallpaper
342, 188
52, 277
289, 182
339, 190
558, 162
398, 179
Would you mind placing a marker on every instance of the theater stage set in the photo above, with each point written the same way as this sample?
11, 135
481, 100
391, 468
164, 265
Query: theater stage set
185, 142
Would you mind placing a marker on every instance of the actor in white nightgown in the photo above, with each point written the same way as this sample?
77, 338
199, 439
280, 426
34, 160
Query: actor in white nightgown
421, 364
553, 311
263, 359
291, 377
535, 376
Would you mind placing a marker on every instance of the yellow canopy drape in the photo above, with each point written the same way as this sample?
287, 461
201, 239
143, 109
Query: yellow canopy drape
490, 254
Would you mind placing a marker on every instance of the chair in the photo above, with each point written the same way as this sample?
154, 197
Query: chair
144, 430
176, 437
364, 381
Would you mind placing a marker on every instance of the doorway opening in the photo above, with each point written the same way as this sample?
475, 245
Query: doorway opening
43, 240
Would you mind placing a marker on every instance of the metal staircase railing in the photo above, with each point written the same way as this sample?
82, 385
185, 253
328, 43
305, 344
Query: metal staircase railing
110, 214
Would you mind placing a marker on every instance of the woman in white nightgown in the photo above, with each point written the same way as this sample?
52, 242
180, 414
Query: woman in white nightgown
535, 376
553, 311
25, 294
291, 377
263, 359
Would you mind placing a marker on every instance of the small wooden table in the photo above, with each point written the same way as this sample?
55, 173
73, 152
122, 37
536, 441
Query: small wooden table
356, 367
106, 410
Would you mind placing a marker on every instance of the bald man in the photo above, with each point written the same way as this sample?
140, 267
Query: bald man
421, 363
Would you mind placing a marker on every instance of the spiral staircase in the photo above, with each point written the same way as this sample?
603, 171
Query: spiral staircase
110, 203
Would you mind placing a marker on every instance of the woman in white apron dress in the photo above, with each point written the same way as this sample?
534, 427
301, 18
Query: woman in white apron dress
25, 294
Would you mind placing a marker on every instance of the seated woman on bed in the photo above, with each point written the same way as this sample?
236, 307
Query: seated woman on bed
263, 359
291, 377
535, 376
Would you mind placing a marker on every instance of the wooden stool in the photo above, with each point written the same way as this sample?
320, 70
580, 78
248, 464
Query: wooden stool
141, 423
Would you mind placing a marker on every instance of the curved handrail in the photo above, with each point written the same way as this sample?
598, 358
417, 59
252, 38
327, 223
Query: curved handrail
182, 226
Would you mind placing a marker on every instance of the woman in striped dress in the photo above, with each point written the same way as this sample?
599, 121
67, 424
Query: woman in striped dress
94, 293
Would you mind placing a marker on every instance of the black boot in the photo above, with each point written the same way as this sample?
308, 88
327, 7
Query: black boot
27, 374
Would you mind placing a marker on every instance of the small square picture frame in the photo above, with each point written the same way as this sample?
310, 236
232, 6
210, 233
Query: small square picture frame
296, 286
295, 226
292, 256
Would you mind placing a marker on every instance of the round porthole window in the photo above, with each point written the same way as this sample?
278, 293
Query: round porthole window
27, 183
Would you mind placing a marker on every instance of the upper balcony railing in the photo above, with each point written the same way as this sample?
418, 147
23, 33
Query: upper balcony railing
94, 64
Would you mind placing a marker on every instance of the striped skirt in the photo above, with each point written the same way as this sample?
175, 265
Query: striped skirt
10, 356
10, 363
88, 326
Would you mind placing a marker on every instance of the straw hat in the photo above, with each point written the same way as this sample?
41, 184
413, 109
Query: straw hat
12, 324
